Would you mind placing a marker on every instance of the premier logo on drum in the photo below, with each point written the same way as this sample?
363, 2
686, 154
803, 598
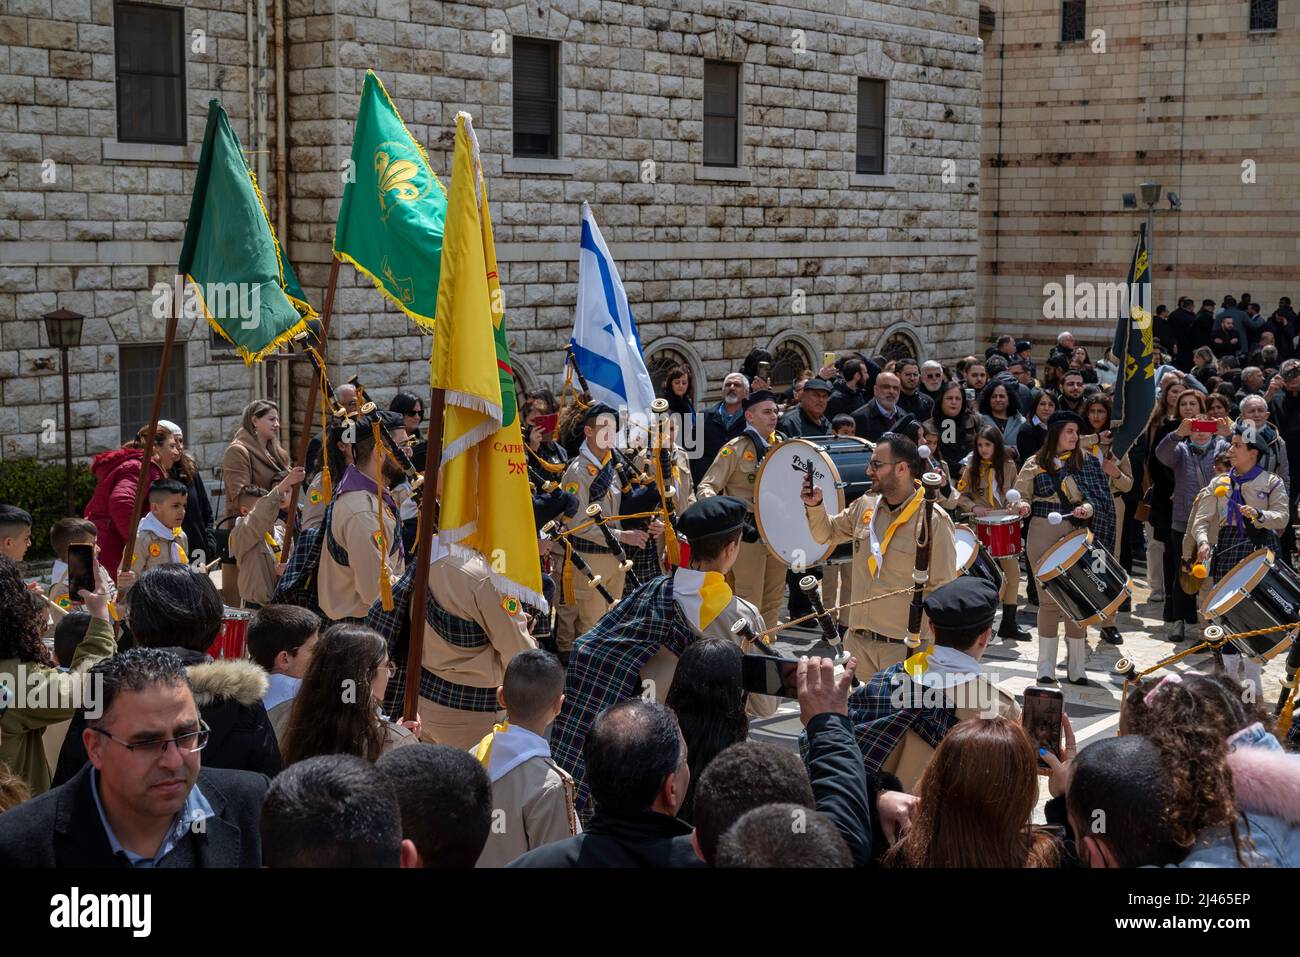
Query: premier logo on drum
32, 690
803, 466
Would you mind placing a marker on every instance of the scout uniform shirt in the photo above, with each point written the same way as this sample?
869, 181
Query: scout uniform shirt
870, 513
734, 470
578, 480
471, 631
532, 796
347, 591
255, 542
313, 510
1210, 511
974, 694
156, 544
697, 595
62, 601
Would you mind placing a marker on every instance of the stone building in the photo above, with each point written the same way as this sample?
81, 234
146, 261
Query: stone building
798, 176
1085, 99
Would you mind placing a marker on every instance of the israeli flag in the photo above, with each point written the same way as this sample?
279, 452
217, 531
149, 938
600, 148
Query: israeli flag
605, 341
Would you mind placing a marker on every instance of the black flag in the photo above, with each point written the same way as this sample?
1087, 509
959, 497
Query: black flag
1134, 348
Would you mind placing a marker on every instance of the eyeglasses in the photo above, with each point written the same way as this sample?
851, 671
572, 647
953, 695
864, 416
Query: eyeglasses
417, 413
190, 742
875, 465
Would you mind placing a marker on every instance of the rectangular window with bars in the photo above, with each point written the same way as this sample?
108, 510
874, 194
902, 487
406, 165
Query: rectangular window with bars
1074, 17
1263, 14
721, 113
871, 126
536, 98
137, 374
149, 42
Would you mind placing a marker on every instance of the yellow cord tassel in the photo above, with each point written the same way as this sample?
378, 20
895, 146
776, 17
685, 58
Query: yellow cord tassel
385, 577
326, 486
1288, 714
566, 576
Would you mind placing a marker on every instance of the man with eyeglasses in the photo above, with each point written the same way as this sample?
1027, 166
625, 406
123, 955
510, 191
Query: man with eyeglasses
144, 800
884, 526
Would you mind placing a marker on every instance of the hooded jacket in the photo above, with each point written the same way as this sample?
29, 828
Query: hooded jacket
117, 473
229, 695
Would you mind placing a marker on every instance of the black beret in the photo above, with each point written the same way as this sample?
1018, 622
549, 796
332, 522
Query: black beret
964, 604
762, 395
597, 409
1023, 344
1252, 436
392, 420
715, 515
817, 385
1062, 416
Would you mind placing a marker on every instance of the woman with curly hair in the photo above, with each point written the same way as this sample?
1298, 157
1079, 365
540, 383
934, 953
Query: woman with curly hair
39, 693
337, 710
1237, 793
977, 799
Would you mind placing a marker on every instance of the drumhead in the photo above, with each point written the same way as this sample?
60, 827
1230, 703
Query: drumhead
968, 546
1062, 553
778, 507
1239, 578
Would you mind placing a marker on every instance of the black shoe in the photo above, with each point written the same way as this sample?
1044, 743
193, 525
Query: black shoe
1010, 628
1048, 681
1112, 635
1082, 682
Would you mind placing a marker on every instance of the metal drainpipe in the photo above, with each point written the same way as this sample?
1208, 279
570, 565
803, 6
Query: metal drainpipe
283, 386
259, 390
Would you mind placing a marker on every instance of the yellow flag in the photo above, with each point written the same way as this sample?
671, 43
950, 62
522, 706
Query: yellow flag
486, 505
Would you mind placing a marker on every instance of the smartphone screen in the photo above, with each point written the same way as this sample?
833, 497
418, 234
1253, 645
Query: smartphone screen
1042, 719
81, 570
768, 674
762, 369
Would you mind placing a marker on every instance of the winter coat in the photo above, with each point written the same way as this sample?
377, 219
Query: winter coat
117, 473
229, 695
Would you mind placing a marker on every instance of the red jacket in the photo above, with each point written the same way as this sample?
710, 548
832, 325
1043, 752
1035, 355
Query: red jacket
117, 473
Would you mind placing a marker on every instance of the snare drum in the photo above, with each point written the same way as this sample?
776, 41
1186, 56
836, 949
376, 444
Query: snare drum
839, 470
233, 638
972, 559
999, 534
1258, 592
1084, 579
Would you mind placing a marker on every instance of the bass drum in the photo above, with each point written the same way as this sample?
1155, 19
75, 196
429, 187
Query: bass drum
972, 559
1084, 579
839, 469
1259, 592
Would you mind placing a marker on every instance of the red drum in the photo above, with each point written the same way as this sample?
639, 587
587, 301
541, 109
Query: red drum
999, 534
232, 639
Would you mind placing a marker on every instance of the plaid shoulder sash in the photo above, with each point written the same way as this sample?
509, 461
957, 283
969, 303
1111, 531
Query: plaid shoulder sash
297, 586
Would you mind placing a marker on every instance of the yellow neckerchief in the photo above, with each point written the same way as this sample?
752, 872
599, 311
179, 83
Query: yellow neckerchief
483, 750
273, 545
180, 552
916, 665
910, 509
988, 480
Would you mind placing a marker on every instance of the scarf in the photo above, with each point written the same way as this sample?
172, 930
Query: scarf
150, 523
1235, 497
602, 477
700, 596
878, 548
989, 482
355, 480
504, 748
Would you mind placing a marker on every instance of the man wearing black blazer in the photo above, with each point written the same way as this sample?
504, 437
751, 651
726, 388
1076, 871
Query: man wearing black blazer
142, 801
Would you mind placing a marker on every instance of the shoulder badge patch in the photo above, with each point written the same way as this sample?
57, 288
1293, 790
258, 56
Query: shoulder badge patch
65, 602
866, 516
510, 605
750, 456
572, 488
314, 496
378, 539
725, 451
155, 549
592, 470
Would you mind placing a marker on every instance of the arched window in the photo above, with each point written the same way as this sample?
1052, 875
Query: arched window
789, 359
899, 344
668, 352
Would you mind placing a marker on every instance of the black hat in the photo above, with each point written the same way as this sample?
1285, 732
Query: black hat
966, 604
391, 420
715, 515
597, 409
762, 395
1023, 344
1062, 416
817, 385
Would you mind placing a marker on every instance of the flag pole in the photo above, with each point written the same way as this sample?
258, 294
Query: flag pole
146, 457
423, 549
304, 440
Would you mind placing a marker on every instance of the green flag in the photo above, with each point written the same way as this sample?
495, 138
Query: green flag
391, 219
230, 259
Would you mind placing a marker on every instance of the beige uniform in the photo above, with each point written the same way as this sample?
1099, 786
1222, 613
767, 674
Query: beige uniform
256, 558
759, 575
313, 509
348, 591
657, 673
967, 502
909, 760
574, 619
152, 550
465, 670
532, 805
885, 617
1210, 512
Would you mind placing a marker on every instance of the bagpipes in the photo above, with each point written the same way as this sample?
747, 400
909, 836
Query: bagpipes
555, 529
921, 569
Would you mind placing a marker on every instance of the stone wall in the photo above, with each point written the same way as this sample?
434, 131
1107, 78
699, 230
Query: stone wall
1182, 95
